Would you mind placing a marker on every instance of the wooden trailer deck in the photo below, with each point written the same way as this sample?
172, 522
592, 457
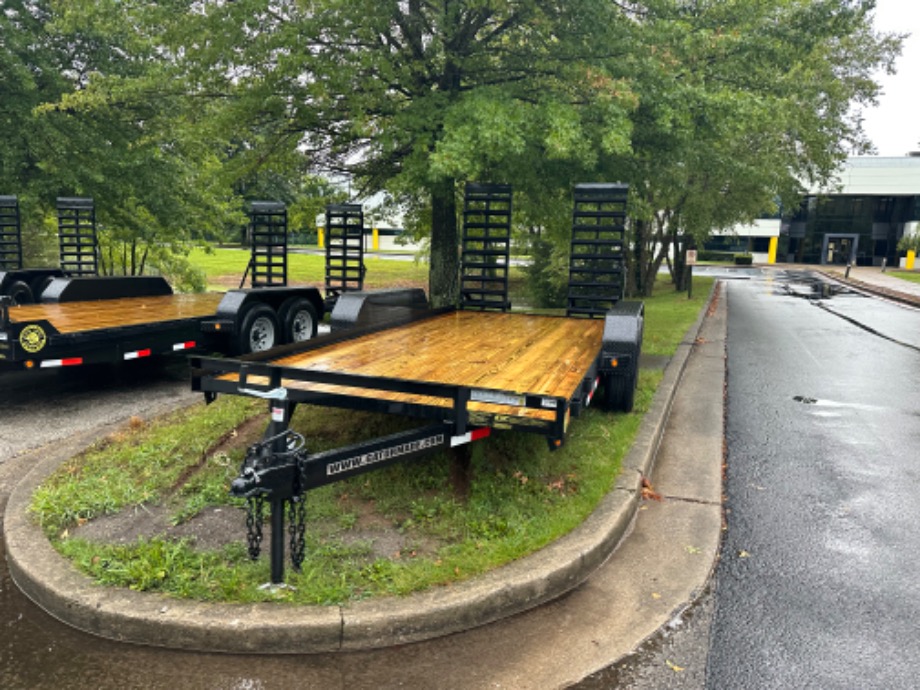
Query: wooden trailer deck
523, 353
75, 317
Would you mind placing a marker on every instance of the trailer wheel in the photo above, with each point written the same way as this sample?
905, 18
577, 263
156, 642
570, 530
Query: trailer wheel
20, 292
620, 392
298, 319
259, 330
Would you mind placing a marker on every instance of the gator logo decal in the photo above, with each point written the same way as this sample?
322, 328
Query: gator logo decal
33, 338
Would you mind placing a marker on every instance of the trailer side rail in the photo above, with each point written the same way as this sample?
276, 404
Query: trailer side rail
461, 405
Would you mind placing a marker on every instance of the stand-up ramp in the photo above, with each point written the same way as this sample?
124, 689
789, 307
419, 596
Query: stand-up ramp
77, 236
597, 267
486, 247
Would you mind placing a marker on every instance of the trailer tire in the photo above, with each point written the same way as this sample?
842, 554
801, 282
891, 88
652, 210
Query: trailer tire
298, 319
259, 330
620, 392
20, 292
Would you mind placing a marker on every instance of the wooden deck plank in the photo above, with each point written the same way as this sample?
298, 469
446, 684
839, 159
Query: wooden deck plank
74, 317
540, 355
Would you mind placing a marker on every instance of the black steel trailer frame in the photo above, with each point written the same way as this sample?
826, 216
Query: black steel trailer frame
280, 470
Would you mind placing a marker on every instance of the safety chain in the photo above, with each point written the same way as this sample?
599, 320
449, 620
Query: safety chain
298, 518
255, 506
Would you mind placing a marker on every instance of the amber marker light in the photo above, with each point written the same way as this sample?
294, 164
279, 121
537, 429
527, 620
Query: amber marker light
614, 362
29, 364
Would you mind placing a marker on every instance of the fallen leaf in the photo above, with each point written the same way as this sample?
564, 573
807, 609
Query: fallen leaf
743, 554
656, 595
674, 667
693, 549
648, 492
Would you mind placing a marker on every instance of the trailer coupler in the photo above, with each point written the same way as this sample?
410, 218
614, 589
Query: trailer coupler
279, 470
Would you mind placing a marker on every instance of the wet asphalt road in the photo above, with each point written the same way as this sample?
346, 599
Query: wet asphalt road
817, 585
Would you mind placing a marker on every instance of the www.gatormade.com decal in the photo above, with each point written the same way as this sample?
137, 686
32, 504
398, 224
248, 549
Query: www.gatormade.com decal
32, 338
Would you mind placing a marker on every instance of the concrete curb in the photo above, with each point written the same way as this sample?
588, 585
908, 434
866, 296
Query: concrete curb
902, 296
56, 586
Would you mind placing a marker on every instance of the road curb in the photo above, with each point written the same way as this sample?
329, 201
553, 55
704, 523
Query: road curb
874, 289
56, 586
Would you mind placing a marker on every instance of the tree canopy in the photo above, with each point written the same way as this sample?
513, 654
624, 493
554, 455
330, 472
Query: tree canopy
712, 111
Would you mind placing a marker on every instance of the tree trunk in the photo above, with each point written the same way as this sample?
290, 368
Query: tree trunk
444, 273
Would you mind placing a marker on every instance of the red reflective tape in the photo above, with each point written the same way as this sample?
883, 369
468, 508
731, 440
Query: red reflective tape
469, 436
593, 390
137, 354
477, 434
68, 362
188, 345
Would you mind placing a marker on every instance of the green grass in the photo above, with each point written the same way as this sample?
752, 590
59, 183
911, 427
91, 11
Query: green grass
522, 497
225, 267
139, 465
911, 276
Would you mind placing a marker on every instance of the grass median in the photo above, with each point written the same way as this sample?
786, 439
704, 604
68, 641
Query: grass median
148, 508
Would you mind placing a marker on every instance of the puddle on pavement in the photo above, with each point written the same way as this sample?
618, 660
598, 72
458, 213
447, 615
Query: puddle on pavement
808, 286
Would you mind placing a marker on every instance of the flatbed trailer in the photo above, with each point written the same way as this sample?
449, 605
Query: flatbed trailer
104, 324
460, 372
58, 318
502, 370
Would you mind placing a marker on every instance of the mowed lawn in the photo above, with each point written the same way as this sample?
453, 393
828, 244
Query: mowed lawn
224, 269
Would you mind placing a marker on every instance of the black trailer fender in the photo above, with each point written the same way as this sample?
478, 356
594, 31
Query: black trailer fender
622, 344
26, 285
378, 307
92, 288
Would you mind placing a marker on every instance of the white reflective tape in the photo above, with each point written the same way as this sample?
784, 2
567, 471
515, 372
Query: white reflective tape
66, 362
469, 436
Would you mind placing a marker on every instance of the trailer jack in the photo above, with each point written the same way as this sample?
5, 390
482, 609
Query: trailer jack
278, 471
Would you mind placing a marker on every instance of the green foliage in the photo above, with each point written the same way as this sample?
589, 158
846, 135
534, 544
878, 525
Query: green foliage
171, 114
910, 242
547, 274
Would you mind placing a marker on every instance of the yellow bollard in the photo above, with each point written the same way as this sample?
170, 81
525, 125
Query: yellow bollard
771, 256
911, 258
320, 237
375, 240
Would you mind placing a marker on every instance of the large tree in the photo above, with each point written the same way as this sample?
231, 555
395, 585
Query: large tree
741, 103
710, 110
411, 96
79, 116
